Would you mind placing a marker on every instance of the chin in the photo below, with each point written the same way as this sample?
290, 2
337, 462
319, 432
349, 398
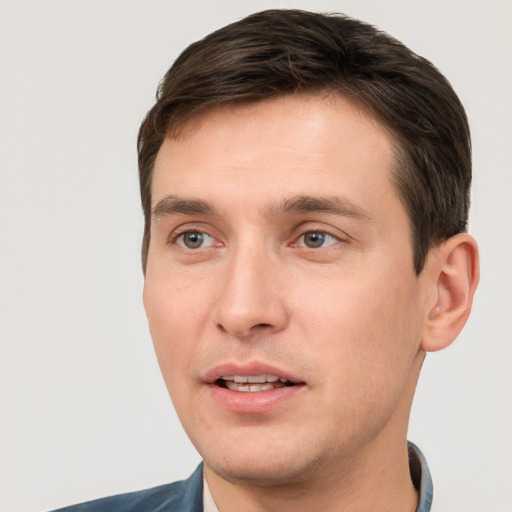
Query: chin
265, 465
257, 474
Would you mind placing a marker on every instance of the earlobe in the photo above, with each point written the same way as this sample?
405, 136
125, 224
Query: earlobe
453, 269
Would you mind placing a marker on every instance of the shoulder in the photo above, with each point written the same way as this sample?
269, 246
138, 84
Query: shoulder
182, 496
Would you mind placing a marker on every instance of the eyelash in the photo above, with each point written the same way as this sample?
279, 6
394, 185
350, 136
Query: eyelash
322, 231
175, 239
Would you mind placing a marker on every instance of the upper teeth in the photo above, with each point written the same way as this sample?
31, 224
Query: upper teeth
254, 378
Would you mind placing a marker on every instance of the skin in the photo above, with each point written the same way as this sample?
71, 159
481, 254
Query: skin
347, 317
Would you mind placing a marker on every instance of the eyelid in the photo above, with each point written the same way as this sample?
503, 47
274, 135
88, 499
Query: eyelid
326, 235
176, 233
189, 227
300, 231
320, 228
176, 229
208, 240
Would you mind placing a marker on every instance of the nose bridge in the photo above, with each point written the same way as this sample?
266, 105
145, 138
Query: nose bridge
249, 297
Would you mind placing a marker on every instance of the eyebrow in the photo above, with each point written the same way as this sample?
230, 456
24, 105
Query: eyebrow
310, 204
297, 205
170, 205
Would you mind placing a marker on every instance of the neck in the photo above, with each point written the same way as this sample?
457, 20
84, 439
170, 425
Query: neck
358, 486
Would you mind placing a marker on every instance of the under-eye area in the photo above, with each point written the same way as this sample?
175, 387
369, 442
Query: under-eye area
252, 382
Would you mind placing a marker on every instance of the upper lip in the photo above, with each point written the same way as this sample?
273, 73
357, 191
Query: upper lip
247, 369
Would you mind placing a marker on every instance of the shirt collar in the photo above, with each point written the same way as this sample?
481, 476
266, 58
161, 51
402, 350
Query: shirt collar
420, 476
208, 503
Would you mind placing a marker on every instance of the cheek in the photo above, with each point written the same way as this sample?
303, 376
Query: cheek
365, 335
176, 318
361, 308
175, 321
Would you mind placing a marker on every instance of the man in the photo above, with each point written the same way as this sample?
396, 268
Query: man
305, 184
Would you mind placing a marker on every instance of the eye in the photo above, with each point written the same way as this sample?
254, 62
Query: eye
316, 239
194, 240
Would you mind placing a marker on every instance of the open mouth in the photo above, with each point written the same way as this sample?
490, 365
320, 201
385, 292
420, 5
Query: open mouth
252, 383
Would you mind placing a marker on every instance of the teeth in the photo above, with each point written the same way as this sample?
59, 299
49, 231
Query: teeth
257, 378
253, 383
253, 379
244, 387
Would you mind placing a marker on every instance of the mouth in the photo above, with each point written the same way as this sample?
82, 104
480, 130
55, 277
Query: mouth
252, 383
253, 387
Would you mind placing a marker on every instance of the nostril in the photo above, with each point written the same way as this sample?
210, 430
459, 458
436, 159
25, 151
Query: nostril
262, 326
221, 328
253, 329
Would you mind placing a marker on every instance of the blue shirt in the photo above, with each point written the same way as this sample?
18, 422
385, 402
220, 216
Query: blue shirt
187, 495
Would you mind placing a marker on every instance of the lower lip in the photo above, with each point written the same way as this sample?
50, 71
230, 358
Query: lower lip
254, 401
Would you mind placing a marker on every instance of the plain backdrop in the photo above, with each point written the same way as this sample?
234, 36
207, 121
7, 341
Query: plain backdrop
84, 411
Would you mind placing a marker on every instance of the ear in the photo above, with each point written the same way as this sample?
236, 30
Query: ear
453, 274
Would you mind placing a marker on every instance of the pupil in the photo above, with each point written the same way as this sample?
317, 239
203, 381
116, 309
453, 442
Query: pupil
314, 239
193, 240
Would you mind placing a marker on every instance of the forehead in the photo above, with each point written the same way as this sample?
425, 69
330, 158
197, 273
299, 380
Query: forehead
300, 144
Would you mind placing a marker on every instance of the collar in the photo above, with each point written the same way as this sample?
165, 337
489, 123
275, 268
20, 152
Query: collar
420, 476
208, 503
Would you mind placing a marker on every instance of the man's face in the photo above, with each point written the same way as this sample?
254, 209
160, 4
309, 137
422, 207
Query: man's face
280, 254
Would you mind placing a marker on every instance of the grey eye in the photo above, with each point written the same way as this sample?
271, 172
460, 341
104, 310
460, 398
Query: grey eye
317, 239
193, 239
314, 239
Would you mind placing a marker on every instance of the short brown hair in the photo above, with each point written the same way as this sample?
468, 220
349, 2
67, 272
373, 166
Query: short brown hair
277, 52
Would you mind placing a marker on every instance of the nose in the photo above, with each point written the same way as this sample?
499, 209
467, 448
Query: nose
251, 299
